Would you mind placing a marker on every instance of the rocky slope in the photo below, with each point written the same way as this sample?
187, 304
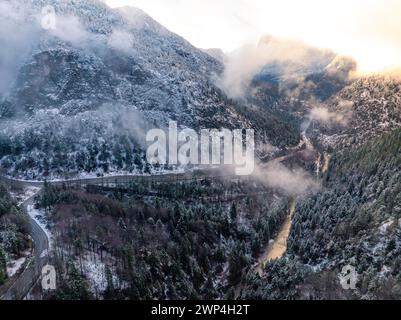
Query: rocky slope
355, 218
370, 107
103, 75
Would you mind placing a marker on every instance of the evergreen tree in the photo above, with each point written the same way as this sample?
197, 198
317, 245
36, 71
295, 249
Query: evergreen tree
3, 267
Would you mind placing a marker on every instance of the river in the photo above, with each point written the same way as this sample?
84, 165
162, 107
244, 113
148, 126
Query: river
278, 247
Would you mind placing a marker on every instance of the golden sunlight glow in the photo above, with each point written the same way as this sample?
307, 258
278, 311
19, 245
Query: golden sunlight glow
368, 30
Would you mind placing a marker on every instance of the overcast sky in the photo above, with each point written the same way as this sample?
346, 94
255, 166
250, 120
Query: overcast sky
368, 30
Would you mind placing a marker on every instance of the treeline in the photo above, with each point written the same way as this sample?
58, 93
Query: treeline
354, 220
13, 231
44, 153
155, 247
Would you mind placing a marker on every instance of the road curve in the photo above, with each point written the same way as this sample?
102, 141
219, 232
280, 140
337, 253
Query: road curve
23, 284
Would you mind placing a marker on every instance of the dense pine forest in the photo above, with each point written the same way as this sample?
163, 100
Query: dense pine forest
161, 240
14, 231
76, 104
354, 220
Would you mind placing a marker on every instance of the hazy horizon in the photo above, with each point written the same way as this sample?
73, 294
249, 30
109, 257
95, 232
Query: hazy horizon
369, 31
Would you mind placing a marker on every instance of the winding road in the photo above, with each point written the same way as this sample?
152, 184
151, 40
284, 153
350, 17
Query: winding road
21, 286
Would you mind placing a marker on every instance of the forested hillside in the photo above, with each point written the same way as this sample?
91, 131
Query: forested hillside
13, 232
354, 220
114, 76
161, 240
369, 107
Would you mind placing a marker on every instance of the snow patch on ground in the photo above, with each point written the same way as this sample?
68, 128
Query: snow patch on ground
27, 193
383, 228
95, 271
15, 265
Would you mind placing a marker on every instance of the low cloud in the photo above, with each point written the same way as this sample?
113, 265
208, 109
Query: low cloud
324, 115
120, 40
21, 31
321, 113
295, 182
69, 29
16, 41
288, 57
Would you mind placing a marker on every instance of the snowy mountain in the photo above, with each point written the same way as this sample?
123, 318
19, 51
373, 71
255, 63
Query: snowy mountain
295, 74
103, 75
113, 55
371, 106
